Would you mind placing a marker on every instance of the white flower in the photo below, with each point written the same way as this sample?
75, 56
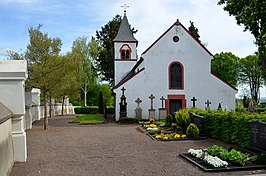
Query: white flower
215, 161
196, 153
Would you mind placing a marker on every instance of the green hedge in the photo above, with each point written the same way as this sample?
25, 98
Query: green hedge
86, 110
232, 127
92, 110
110, 110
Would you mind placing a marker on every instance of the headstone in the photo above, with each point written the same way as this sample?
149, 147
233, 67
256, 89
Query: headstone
162, 110
123, 105
194, 102
138, 110
258, 135
199, 122
208, 104
151, 111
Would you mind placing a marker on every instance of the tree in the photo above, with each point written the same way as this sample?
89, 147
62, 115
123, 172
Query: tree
71, 86
46, 67
107, 94
194, 31
105, 37
225, 65
87, 51
252, 74
252, 14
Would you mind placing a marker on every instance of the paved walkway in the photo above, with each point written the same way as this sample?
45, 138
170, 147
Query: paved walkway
105, 149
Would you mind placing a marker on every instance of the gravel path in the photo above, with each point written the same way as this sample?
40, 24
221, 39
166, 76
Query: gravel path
105, 149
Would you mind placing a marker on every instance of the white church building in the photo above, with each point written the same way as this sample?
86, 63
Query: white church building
176, 67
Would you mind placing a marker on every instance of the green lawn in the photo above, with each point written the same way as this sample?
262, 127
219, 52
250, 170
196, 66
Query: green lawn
88, 117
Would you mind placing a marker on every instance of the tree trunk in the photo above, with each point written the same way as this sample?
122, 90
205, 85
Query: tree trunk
45, 112
63, 101
50, 110
263, 61
85, 95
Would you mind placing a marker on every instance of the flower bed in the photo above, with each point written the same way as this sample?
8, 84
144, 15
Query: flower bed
218, 159
158, 131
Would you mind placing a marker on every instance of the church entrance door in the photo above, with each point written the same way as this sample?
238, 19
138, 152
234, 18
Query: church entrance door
175, 105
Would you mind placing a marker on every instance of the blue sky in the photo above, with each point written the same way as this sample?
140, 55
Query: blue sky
69, 20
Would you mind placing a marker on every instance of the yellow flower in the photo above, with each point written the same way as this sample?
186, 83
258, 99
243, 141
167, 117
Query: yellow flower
177, 136
184, 136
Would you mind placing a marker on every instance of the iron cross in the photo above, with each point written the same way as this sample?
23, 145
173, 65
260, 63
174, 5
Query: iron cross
194, 101
125, 7
123, 91
151, 97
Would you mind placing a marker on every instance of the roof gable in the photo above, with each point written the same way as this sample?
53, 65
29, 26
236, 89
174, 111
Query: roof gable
177, 23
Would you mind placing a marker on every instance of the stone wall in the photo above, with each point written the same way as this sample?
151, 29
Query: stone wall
6, 142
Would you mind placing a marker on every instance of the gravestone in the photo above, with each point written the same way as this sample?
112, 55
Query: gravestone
199, 122
123, 105
151, 111
258, 135
208, 104
194, 102
138, 109
162, 110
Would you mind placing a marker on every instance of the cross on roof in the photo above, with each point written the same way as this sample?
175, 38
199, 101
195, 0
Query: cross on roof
151, 97
208, 103
162, 99
125, 7
194, 101
123, 91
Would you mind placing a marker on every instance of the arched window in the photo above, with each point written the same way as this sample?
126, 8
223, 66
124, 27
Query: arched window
125, 52
176, 76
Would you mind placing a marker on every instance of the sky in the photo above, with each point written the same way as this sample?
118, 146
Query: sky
69, 20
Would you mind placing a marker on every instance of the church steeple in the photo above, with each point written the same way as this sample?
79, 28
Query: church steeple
125, 49
124, 33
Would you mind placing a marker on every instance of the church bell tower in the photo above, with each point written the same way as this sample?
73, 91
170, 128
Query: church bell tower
125, 50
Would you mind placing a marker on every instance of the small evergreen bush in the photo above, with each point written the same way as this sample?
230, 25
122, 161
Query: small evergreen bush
192, 131
168, 120
183, 119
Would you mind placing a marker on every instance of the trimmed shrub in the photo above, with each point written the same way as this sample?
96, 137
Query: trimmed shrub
168, 120
183, 119
192, 131
110, 110
129, 120
86, 110
231, 127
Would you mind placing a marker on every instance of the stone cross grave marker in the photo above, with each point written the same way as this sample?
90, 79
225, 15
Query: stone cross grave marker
138, 110
194, 101
208, 104
162, 99
138, 101
151, 97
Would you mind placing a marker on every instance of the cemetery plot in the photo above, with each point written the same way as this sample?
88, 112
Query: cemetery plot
218, 159
182, 129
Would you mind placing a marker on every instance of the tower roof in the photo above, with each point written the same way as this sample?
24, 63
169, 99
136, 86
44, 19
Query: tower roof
124, 33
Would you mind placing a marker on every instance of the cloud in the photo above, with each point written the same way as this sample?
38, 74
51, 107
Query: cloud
18, 1
215, 25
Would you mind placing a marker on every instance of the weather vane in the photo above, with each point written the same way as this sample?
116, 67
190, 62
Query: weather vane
125, 7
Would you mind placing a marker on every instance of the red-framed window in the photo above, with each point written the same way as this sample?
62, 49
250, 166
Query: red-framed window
176, 75
125, 52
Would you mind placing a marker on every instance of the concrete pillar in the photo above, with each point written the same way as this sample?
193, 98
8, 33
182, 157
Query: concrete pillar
13, 74
36, 102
